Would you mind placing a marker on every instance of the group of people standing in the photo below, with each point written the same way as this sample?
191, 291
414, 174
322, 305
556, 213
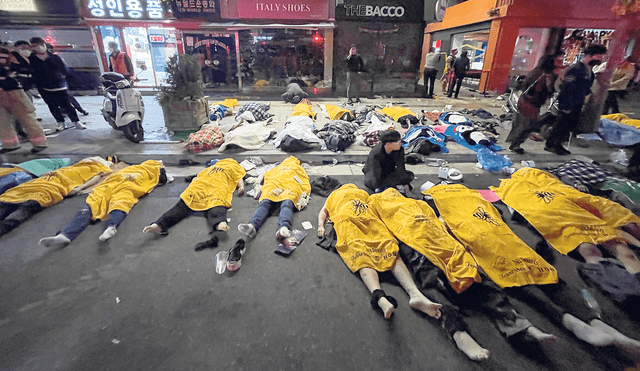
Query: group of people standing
28, 65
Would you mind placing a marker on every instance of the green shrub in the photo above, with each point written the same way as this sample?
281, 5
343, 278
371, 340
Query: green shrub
184, 79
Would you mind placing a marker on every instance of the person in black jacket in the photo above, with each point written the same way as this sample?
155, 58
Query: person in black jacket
385, 165
355, 66
460, 67
49, 75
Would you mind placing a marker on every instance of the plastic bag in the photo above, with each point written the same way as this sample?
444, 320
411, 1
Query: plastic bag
620, 157
492, 161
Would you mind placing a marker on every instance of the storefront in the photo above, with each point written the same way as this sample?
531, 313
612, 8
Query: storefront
508, 37
60, 24
388, 37
238, 43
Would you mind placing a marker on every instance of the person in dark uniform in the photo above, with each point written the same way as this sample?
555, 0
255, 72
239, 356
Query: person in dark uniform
460, 68
385, 165
355, 66
575, 87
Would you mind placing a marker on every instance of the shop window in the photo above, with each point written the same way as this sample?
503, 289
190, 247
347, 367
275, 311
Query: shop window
531, 44
216, 53
137, 46
280, 55
163, 44
475, 44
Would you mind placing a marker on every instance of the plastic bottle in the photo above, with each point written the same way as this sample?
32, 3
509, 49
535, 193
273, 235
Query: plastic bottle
591, 303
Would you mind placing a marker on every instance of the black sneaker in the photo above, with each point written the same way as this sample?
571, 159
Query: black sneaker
209, 244
349, 101
358, 100
517, 149
235, 255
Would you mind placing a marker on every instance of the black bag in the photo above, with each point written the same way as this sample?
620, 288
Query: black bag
291, 144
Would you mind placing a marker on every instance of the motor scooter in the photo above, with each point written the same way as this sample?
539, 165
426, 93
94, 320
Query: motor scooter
123, 107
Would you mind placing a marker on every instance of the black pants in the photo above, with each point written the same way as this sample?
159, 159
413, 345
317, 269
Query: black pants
74, 102
457, 81
611, 103
12, 215
429, 81
391, 180
565, 123
179, 211
58, 101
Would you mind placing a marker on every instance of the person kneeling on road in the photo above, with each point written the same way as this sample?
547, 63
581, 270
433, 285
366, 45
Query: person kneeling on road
385, 165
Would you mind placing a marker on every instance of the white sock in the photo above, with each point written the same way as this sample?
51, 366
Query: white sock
55, 241
108, 233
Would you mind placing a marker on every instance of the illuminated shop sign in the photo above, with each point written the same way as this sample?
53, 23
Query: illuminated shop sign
204, 9
125, 9
283, 9
380, 10
18, 6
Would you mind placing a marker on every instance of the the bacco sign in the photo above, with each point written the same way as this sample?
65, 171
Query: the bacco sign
380, 10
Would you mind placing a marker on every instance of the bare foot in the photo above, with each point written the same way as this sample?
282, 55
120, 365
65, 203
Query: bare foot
386, 306
425, 305
223, 226
627, 344
585, 332
542, 337
240, 191
153, 228
468, 346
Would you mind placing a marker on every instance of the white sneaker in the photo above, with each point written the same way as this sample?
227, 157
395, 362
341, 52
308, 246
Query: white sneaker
60, 126
247, 229
283, 233
79, 125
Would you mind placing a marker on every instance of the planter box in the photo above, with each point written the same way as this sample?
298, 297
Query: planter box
186, 114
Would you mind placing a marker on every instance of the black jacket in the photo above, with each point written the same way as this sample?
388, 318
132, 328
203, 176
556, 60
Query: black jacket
50, 73
381, 165
355, 63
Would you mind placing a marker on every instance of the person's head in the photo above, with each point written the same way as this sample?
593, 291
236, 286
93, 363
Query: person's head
547, 63
38, 45
432, 50
464, 54
353, 49
23, 48
296, 99
594, 54
391, 140
113, 46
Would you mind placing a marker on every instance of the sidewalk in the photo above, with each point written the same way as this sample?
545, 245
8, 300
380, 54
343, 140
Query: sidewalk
100, 139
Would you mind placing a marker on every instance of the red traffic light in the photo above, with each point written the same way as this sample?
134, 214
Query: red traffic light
317, 38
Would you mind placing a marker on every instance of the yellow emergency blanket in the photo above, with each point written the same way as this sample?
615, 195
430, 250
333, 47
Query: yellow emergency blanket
363, 239
506, 259
52, 187
397, 112
121, 190
303, 109
8, 170
335, 112
414, 223
623, 119
214, 186
287, 181
564, 216
229, 103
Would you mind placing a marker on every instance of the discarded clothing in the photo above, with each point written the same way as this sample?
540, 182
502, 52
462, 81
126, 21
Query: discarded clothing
301, 128
492, 161
41, 166
259, 110
324, 185
208, 137
338, 134
247, 136
623, 119
580, 173
613, 278
618, 134
416, 134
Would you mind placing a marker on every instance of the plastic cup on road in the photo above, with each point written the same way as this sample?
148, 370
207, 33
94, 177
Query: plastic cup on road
221, 261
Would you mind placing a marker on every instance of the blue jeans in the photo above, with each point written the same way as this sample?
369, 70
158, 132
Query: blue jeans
13, 179
83, 218
262, 212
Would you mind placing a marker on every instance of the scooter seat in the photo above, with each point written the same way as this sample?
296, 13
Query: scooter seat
112, 76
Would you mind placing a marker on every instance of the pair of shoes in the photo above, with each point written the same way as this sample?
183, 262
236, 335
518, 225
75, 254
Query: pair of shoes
349, 101
84, 113
561, 151
247, 229
448, 96
235, 255
60, 126
79, 125
5, 150
517, 149
37, 149
209, 244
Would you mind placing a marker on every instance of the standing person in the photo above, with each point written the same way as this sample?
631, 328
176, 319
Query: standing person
49, 75
119, 61
74, 102
15, 104
460, 67
385, 165
619, 80
430, 71
22, 66
355, 66
539, 86
575, 87
447, 74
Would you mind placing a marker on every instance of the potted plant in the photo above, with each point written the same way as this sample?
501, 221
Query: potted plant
183, 102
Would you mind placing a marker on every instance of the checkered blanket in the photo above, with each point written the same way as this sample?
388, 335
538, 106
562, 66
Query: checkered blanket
259, 111
205, 139
576, 172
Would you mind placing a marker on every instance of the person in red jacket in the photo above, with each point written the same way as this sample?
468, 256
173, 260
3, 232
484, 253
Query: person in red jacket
119, 61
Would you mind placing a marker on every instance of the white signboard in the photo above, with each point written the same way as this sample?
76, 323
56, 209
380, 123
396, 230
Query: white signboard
18, 6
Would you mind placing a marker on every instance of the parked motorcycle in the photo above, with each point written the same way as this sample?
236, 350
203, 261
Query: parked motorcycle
123, 107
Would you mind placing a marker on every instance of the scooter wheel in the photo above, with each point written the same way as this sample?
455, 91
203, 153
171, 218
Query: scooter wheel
134, 131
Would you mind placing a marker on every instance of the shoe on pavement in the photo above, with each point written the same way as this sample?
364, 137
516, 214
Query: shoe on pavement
358, 100
517, 149
283, 233
79, 125
209, 244
5, 149
235, 255
60, 126
37, 149
349, 101
557, 150
247, 229
84, 113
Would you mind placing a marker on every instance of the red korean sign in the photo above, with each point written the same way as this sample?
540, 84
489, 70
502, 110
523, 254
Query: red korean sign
283, 9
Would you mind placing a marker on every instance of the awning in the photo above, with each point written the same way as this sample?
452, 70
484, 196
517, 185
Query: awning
243, 26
